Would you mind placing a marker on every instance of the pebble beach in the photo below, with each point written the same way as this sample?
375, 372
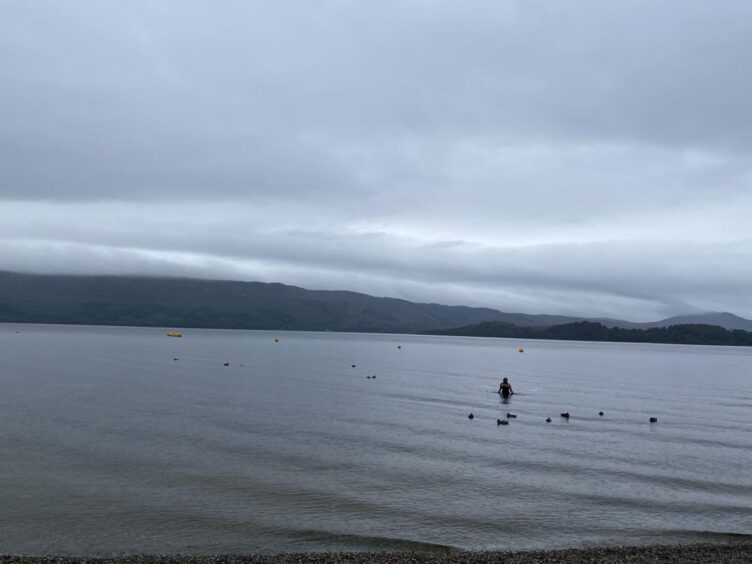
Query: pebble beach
696, 553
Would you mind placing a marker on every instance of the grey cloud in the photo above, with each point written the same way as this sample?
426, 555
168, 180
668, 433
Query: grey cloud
138, 98
558, 157
670, 276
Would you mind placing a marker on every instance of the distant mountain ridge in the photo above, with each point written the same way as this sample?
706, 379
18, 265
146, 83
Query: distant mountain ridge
186, 302
722, 319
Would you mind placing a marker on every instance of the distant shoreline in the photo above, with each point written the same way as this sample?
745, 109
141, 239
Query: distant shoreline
654, 554
443, 333
592, 331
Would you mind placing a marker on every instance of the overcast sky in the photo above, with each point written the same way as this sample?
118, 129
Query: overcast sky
585, 157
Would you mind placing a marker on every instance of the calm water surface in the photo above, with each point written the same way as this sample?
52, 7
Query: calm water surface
109, 444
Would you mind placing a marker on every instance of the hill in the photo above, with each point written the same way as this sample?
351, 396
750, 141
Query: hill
722, 319
179, 302
184, 302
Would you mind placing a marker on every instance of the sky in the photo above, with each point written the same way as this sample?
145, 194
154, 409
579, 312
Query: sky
584, 158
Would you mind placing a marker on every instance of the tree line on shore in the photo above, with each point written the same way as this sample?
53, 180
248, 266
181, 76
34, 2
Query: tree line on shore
687, 334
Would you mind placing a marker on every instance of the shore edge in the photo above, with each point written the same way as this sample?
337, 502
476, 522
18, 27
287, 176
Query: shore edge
733, 553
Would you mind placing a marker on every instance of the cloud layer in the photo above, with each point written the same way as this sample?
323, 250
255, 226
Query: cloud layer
591, 158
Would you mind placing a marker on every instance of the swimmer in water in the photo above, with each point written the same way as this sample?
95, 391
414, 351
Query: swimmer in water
505, 388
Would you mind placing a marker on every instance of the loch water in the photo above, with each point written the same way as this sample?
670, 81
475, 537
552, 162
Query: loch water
123, 440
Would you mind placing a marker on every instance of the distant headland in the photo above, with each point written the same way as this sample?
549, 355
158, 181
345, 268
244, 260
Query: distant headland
684, 334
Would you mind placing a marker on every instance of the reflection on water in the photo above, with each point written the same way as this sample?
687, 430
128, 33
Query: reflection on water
121, 439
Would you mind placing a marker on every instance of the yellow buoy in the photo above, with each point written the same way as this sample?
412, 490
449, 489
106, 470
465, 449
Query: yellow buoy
174, 334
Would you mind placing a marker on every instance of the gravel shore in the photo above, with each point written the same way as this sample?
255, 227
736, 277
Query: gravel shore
696, 553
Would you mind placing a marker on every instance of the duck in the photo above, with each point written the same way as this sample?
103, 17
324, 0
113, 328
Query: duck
511, 416
548, 420
565, 415
471, 416
654, 420
502, 422
600, 413
227, 364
